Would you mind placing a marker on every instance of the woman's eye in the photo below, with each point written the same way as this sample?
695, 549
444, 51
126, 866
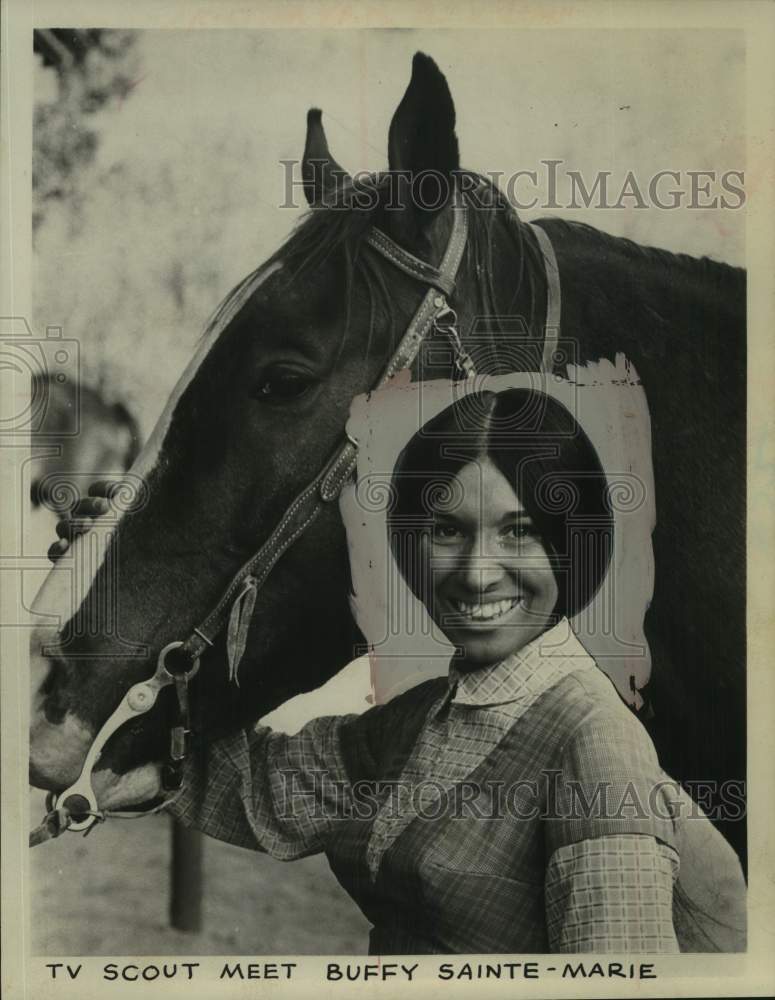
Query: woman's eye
446, 533
281, 386
518, 532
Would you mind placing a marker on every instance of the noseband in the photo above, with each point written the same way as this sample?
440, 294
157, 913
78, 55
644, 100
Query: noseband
76, 808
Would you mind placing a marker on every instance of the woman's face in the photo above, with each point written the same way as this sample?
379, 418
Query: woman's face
492, 588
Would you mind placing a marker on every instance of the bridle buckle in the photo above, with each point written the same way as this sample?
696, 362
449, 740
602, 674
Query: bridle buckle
446, 322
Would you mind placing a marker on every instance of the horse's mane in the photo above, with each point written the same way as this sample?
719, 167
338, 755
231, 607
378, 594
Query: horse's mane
327, 231
702, 268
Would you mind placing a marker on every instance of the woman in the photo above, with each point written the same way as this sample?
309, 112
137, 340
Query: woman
516, 805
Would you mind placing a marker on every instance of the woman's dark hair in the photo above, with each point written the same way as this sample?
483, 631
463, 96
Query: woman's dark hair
538, 446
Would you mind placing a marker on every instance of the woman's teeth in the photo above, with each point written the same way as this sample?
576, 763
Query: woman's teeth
486, 611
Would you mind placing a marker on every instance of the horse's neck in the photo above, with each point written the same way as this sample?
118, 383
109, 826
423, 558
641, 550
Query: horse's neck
618, 296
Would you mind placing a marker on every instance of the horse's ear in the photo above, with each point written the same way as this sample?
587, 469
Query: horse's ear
422, 145
321, 174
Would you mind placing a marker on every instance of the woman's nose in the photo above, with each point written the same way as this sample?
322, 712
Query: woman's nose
480, 573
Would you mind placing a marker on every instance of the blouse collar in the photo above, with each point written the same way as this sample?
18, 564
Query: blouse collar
525, 674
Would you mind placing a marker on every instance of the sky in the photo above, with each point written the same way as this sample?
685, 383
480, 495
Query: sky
614, 100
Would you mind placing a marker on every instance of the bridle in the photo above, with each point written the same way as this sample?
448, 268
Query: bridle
76, 808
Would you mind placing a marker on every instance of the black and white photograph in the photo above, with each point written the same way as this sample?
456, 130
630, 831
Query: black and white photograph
387, 475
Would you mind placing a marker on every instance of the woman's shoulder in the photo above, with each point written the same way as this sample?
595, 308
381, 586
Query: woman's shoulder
597, 725
587, 690
595, 688
580, 687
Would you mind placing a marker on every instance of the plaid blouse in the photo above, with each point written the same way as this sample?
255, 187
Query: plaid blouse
465, 815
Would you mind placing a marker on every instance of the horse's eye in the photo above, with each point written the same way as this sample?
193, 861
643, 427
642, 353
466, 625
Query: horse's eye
278, 386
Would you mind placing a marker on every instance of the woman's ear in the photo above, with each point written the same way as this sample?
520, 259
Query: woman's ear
422, 151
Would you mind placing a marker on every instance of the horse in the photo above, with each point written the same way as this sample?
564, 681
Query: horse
264, 402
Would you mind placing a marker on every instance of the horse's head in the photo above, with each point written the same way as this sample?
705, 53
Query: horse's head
251, 422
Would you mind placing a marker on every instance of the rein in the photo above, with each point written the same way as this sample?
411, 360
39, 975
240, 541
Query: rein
76, 808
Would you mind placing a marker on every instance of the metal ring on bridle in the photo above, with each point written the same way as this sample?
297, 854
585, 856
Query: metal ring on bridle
447, 318
161, 663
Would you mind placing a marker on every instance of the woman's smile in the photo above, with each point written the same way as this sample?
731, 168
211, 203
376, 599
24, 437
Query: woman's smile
487, 610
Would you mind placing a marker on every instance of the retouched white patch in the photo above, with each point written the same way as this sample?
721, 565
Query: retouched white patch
610, 404
66, 586
120, 791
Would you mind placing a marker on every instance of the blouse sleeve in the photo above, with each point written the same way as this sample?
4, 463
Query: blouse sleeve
612, 841
612, 895
283, 794
268, 791
609, 782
